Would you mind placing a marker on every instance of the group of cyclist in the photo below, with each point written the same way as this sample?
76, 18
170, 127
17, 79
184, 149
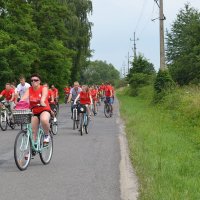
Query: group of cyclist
90, 95
43, 99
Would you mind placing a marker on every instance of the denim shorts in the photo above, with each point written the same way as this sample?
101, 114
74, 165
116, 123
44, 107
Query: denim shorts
110, 100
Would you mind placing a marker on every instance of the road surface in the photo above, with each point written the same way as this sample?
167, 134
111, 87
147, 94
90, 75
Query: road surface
82, 167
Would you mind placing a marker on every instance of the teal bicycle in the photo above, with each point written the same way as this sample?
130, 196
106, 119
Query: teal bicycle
25, 147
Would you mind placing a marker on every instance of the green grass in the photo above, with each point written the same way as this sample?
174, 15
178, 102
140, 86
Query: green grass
164, 145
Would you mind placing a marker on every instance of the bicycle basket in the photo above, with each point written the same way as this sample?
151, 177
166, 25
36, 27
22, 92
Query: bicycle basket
22, 116
82, 109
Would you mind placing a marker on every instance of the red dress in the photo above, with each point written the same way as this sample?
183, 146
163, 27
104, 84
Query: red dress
35, 97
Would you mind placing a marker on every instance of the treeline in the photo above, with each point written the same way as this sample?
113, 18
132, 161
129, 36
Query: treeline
51, 37
99, 72
182, 55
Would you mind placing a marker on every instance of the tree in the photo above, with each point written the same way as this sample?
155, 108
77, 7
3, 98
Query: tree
142, 73
99, 72
183, 46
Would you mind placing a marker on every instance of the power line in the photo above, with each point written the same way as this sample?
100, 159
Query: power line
141, 14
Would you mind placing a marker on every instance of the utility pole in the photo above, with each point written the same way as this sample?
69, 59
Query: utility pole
162, 45
134, 49
128, 63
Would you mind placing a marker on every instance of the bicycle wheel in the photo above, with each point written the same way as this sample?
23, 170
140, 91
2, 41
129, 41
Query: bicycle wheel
57, 109
22, 150
3, 120
107, 110
11, 122
81, 123
86, 123
54, 128
47, 150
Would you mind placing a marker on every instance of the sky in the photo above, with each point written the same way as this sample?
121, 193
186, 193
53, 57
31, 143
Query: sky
114, 24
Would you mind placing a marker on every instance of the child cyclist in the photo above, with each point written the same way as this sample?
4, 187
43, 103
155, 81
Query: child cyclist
85, 99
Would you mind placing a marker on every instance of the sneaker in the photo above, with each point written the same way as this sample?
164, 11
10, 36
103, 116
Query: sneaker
46, 139
54, 120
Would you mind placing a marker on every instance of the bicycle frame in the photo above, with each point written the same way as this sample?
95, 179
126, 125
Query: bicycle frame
35, 145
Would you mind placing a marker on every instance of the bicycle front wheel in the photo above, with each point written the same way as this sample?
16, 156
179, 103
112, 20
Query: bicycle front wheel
54, 128
22, 150
81, 123
3, 120
107, 110
46, 150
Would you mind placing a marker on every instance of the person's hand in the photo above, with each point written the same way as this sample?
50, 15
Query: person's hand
42, 103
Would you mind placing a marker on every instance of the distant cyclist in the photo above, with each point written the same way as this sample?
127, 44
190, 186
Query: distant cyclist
109, 95
9, 94
94, 94
22, 87
85, 98
74, 92
67, 92
55, 93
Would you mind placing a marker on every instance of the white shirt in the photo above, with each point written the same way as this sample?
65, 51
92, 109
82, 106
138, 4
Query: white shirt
22, 89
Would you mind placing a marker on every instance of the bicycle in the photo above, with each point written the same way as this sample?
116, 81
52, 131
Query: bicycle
25, 146
75, 116
6, 117
56, 107
84, 119
107, 109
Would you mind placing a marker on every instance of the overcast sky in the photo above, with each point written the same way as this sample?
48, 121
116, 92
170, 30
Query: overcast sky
115, 22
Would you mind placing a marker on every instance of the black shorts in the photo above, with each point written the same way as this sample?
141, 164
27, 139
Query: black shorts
38, 115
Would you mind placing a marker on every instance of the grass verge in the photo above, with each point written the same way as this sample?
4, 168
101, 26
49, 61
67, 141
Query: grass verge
164, 148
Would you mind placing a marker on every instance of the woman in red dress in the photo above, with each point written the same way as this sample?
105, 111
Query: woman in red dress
37, 95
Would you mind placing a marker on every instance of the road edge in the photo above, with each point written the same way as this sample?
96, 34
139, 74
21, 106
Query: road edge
128, 178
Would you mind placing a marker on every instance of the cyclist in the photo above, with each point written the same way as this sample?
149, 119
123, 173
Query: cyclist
85, 99
67, 92
55, 93
9, 95
51, 101
109, 95
37, 94
13, 86
74, 92
22, 87
94, 94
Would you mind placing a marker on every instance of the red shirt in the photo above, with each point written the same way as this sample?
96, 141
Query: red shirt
8, 94
85, 98
94, 94
108, 90
35, 97
55, 92
102, 87
67, 90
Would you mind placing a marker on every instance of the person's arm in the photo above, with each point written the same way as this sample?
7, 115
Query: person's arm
76, 98
69, 98
12, 98
52, 97
91, 102
44, 96
25, 96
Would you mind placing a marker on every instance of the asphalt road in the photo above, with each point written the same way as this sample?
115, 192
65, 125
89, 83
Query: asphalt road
82, 167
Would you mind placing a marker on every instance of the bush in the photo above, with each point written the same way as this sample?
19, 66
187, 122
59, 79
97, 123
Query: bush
139, 80
163, 85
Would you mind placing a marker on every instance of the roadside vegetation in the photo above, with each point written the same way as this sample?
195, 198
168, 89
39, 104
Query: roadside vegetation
162, 115
164, 142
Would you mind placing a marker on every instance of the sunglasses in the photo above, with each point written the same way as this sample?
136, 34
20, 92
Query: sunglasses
34, 80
